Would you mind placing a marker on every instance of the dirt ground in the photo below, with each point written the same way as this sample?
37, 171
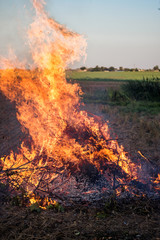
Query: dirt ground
138, 219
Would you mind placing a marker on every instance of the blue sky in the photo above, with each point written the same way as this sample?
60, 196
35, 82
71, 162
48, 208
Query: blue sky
118, 32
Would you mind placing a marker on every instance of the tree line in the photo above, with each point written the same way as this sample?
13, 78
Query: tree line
112, 69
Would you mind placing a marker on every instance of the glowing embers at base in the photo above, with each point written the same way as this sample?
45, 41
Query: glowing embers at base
37, 202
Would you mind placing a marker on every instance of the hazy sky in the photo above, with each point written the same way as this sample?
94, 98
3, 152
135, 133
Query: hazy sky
118, 32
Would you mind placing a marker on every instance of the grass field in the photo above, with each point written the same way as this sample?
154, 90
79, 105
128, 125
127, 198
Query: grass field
110, 76
107, 88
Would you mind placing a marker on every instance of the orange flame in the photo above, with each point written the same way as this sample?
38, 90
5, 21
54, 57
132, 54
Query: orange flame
157, 182
48, 107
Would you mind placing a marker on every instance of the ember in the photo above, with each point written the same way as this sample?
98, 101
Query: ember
67, 151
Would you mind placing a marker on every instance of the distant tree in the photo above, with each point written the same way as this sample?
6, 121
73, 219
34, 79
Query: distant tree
155, 68
96, 69
83, 68
120, 68
106, 69
102, 69
126, 69
111, 69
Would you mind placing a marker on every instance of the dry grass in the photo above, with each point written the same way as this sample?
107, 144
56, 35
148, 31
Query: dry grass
136, 132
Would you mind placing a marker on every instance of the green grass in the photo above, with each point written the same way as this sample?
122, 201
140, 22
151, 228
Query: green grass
110, 76
137, 92
143, 107
146, 90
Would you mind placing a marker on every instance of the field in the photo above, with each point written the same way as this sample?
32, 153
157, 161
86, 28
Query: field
136, 125
110, 76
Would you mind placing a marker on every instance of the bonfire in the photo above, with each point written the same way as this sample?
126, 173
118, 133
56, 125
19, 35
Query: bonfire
68, 153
